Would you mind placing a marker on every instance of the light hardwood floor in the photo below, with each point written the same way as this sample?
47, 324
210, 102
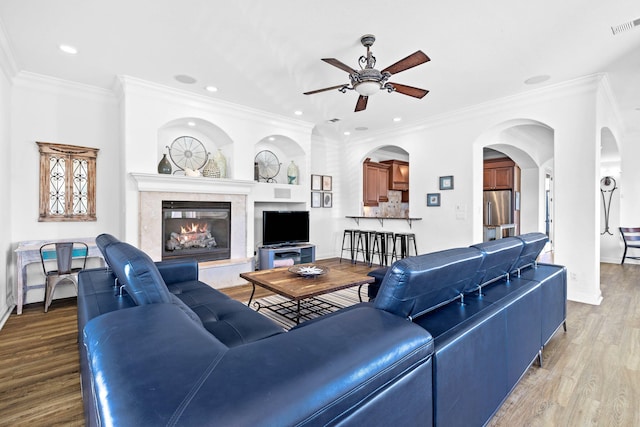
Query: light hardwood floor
590, 376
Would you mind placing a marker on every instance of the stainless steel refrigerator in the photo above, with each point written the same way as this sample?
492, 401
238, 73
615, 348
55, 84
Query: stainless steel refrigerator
497, 207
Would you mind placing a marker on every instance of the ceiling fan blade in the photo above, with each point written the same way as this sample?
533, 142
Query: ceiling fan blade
324, 90
410, 61
339, 64
362, 103
409, 90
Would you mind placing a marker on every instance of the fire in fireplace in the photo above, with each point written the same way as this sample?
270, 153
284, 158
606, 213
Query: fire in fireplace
200, 230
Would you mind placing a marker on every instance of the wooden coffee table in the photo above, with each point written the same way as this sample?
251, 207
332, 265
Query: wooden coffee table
297, 288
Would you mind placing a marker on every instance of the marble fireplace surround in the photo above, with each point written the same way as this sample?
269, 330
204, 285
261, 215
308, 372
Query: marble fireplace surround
153, 189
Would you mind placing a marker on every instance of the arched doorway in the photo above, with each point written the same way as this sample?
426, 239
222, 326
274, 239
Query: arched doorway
529, 144
385, 195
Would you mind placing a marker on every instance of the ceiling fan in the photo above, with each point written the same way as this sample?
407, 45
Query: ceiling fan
367, 80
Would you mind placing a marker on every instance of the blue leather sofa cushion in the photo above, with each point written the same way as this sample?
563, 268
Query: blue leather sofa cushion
499, 258
533, 243
469, 375
102, 241
138, 274
373, 288
323, 374
418, 284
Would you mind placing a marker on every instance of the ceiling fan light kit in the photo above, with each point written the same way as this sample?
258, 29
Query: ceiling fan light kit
368, 80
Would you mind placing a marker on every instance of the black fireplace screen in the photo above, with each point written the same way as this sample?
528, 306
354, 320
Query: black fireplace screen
200, 230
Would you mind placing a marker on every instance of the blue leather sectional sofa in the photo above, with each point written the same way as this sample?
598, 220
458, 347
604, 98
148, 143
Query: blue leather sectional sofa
447, 337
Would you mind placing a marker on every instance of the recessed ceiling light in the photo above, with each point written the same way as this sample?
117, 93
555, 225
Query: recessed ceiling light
68, 49
211, 89
271, 138
537, 79
347, 133
183, 78
397, 119
297, 113
191, 123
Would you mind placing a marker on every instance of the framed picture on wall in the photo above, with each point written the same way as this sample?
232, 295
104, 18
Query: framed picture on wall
326, 183
316, 199
433, 199
316, 182
327, 200
446, 182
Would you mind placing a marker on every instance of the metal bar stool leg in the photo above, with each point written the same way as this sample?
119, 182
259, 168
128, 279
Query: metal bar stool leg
411, 237
390, 248
347, 234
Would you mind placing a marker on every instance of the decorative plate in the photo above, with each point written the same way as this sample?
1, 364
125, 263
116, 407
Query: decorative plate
308, 270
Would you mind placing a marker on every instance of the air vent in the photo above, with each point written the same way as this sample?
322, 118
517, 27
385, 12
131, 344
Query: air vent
281, 193
626, 26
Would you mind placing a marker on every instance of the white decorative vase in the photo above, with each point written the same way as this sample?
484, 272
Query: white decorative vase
292, 173
211, 170
221, 162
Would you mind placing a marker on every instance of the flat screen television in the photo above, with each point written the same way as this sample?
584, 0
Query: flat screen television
285, 227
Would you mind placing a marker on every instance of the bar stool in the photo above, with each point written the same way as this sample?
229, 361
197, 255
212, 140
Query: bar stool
402, 241
381, 247
363, 245
351, 234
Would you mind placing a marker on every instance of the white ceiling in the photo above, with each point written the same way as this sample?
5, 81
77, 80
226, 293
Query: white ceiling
265, 54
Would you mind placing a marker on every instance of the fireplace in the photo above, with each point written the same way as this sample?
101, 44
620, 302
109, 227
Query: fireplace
196, 229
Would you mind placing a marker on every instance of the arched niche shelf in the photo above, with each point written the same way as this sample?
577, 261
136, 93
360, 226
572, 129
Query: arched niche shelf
211, 136
286, 150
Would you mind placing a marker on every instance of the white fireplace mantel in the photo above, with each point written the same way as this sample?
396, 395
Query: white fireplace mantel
153, 189
187, 184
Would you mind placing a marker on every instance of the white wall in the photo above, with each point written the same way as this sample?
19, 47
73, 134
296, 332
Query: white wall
452, 145
629, 184
5, 194
146, 108
125, 129
50, 110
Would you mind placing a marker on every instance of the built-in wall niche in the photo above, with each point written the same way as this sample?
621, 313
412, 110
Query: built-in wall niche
273, 158
212, 138
259, 208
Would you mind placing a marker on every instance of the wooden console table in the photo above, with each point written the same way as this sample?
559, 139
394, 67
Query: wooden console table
28, 252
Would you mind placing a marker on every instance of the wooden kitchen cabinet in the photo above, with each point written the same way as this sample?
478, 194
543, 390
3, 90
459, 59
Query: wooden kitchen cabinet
398, 174
375, 182
500, 174
399, 177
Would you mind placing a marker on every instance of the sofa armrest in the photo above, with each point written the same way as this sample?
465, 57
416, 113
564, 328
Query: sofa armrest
151, 365
176, 271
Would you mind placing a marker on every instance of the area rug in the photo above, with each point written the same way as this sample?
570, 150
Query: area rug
321, 305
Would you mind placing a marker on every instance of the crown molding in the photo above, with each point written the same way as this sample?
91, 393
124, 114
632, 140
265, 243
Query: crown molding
7, 62
585, 84
29, 80
132, 85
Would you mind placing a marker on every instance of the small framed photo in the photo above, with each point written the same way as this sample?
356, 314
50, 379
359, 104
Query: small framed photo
433, 199
446, 182
316, 199
316, 182
327, 200
326, 183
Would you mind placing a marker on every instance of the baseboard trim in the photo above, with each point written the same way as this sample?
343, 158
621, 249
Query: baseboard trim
6, 315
